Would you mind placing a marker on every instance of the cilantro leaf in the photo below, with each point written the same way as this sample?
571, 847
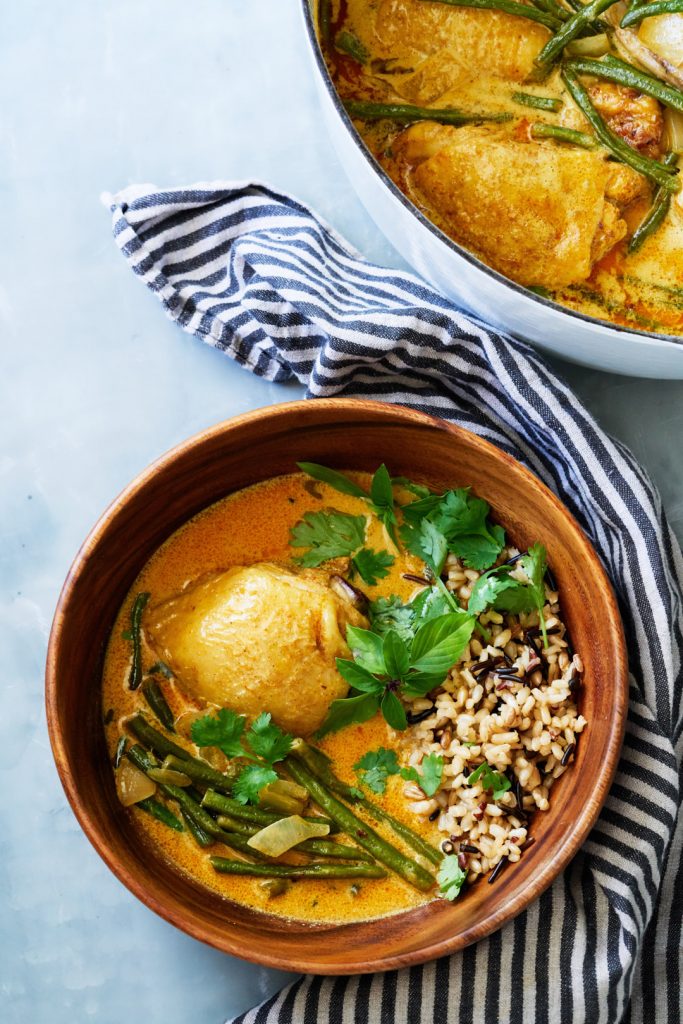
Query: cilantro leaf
427, 542
328, 534
224, 730
251, 781
535, 565
372, 565
489, 587
451, 877
497, 589
267, 740
375, 767
490, 779
390, 613
462, 520
337, 480
428, 776
349, 711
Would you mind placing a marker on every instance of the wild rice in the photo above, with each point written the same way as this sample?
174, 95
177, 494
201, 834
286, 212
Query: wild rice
510, 703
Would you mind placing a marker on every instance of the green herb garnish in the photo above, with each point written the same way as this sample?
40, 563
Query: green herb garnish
461, 521
428, 776
490, 779
375, 767
266, 744
327, 535
386, 667
372, 565
380, 498
451, 877
497, 589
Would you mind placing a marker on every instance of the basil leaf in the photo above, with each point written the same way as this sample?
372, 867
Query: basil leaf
337, 480
419, 489
439, 643
393, 711
358, 677
381, 490
349, 711
367, 649
396, 655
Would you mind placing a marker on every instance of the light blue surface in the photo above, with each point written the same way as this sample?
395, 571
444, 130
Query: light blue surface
96, 383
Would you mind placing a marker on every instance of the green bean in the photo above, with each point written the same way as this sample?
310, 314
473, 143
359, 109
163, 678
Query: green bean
319, 765
404, 113
527, 99
160, 668
153, 695
614, 70
327, 848
552, 7
359, 830
404, 832
656, 213
198, 770
244, 812
651, 10
142, 760
620, 149
324, 19
202, 773
120, 751
508, 7
201, 837
160, 812
135, 677
562, 134
242, 828
571, 29
346, 42
312, 870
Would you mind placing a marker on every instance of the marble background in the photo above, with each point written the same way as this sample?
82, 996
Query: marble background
96, 383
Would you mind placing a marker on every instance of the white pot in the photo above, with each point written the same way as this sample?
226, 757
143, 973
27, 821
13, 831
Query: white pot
454, 272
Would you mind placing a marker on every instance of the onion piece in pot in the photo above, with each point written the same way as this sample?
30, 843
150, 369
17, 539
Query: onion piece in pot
352, 595
285, 834
631, 47
132, 785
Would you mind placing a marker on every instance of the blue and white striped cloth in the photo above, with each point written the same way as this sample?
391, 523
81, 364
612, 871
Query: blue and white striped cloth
256, 274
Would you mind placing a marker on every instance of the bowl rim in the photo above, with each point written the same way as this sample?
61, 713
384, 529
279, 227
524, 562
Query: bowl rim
654, 338
548, 872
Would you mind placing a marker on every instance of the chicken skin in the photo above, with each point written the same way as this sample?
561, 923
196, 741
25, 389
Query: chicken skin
533, 210
257, 638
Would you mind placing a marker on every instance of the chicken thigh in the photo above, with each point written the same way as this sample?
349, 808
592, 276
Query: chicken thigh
258, 638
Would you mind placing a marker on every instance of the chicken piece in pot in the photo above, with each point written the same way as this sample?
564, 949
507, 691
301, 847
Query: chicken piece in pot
258, 638
636, 118
534, 210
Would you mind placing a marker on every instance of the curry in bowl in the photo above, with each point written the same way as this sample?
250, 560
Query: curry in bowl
336, 696
542, 136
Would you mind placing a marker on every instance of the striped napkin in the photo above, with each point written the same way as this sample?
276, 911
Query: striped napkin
256, 274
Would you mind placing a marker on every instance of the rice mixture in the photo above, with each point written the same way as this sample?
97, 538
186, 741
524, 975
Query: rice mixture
511, 703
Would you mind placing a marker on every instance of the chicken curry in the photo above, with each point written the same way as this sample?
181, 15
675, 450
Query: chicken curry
542, 136
286, 688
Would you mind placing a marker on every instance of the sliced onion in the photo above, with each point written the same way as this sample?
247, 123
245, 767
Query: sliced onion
664, 35
673, 130
590, 46
169, 777
132, 785
285, 834
352, 595
631, 48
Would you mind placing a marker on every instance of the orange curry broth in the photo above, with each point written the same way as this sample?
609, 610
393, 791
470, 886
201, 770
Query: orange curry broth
250, 526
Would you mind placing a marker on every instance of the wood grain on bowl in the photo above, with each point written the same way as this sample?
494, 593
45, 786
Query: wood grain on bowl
344, 434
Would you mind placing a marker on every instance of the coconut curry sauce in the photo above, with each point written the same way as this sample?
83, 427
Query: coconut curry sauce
252, 526
556, 216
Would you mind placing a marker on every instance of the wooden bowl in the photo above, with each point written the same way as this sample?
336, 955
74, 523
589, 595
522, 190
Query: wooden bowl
346, 434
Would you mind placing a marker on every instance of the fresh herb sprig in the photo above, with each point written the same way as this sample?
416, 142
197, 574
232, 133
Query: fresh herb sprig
455, 521
451, 877
494, 781
385, 668
380, 498
376, 766
498, 589
327, 534
266, 745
